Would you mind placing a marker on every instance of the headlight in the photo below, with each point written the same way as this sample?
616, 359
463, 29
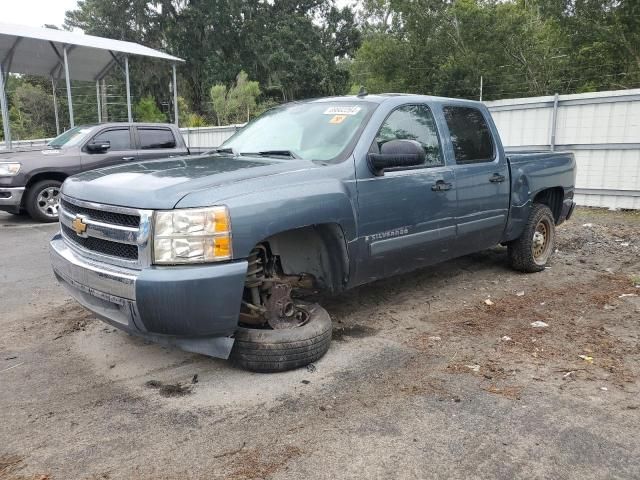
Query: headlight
9, 169
192, 236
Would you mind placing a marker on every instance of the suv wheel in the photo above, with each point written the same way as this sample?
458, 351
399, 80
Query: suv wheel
42, 200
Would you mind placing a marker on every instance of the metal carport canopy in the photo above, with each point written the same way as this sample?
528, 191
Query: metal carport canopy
56, 53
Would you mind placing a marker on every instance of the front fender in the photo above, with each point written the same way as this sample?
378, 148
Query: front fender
260, 215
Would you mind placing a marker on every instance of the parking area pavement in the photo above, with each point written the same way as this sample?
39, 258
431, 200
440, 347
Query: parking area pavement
435, 374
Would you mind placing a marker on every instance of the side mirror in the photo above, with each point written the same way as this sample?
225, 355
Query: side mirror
96, 147
397, 154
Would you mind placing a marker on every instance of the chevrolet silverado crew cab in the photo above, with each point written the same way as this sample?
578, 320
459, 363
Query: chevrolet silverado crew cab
30, 180
218, 253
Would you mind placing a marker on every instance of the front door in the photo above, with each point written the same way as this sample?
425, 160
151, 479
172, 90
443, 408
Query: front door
121, 149
406, 217
482, 180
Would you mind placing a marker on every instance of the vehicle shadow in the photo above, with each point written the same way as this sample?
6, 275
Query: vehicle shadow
9, 220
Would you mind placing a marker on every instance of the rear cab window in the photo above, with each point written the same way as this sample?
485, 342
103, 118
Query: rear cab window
156, 138
470, 135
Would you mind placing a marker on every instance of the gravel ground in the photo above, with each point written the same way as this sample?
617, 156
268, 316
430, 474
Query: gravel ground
436, 374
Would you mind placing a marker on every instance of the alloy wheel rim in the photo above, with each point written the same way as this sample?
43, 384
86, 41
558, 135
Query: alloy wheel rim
48, 201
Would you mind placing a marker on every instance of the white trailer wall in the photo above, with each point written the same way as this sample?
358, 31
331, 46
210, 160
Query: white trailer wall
602, 129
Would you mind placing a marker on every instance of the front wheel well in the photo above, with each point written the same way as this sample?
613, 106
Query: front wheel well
319, 251
38, 177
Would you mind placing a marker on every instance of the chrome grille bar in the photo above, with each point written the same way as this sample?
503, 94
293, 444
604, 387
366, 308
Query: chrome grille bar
93, 218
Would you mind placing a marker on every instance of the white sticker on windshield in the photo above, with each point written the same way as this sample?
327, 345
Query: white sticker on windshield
342, 110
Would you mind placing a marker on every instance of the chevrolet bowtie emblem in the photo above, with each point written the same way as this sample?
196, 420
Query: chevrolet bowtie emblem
79, 226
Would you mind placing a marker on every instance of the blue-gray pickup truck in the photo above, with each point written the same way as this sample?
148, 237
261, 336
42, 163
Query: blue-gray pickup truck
218, 253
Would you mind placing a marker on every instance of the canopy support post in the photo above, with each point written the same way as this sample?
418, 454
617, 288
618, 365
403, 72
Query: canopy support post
175, 96
98, 101
5, 111
126, 74
55, 105
66, 74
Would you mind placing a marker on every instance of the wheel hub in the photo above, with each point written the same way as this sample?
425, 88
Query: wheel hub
281, 311
539, 245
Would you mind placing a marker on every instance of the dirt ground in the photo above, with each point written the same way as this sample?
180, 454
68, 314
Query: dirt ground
435, 374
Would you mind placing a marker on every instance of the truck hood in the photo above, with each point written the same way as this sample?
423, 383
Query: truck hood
161, 184
32, 156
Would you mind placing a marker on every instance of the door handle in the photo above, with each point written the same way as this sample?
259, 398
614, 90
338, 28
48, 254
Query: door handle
128, 159
441, 186
496, 178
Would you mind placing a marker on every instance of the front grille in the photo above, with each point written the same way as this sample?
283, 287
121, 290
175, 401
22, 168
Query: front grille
105, 247
120, 219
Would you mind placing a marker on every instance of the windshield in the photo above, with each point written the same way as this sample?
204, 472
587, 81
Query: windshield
70, 137
312, 131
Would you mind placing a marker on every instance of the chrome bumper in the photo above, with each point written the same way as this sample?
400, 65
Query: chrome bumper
120, 283
11, 197
109, 292
195, 309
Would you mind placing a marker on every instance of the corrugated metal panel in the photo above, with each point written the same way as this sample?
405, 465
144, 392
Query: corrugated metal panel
602, 129
524, 127
208, 137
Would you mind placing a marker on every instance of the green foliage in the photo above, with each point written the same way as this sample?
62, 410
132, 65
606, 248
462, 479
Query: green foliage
194, 120
146, 110
293, 49
30, 110
519, 47
237, 104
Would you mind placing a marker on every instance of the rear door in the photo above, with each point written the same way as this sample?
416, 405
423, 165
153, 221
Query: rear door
122, 148
157, 142
406, 216
482, 179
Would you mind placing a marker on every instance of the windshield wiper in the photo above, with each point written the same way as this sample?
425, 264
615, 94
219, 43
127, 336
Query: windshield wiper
272, 153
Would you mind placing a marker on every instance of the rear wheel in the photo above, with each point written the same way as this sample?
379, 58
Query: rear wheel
531, 252
42, 200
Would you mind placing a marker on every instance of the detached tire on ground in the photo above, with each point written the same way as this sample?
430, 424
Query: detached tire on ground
531, 252
41, 200
265, 350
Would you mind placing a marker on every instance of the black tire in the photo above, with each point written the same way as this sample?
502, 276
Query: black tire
266, 351
31, 200
525, 254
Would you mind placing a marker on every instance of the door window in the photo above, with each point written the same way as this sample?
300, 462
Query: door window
413, 122
156, 138
120, 139
470, 135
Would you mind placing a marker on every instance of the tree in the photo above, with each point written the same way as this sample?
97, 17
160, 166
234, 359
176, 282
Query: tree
235, 105
146, 110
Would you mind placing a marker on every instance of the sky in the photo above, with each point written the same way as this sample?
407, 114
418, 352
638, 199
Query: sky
35, 13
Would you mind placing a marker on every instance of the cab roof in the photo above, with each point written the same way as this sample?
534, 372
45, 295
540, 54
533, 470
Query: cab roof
383, 97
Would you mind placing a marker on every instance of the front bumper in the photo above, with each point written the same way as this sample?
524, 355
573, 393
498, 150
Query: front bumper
11, 199
195, 308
